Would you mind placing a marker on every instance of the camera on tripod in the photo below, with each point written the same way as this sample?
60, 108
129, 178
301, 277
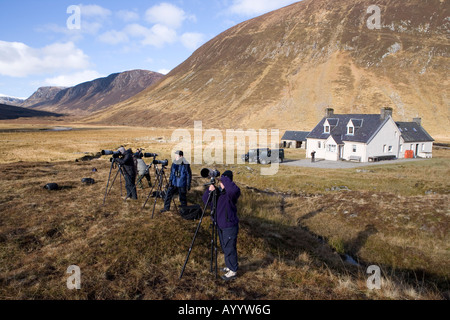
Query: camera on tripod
209, 173
114, 154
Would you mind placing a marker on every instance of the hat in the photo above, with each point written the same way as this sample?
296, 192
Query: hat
179, 152
122, 150
228, 174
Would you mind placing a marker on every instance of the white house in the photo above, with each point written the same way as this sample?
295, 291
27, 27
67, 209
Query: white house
367, 137
415, 138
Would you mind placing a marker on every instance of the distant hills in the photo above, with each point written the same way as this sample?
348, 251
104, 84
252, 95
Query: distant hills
8, 112
12, 101
282, 69
92, 96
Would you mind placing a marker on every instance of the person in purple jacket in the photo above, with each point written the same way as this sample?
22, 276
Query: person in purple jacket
227, 221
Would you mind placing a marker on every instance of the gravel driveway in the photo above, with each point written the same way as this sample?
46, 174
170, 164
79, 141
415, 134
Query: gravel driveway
326, 164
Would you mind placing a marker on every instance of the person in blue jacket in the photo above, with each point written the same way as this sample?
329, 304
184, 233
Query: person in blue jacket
227, 221
179, 181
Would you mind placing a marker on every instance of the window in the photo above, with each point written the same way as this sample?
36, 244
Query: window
390, 148
423, 146
327, 129
332, 148
351, 130
354, 148
319, 144
384, 148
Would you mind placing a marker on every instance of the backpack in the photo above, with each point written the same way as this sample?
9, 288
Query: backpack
88, 181
193, 212
51, 186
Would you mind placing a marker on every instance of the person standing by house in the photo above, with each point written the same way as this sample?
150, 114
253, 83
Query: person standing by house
227, 221
129, 171
179, 181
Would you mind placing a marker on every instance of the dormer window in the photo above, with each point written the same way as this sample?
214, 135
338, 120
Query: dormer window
353, 125
329, 125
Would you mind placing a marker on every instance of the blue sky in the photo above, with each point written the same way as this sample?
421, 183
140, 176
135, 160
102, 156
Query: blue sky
47, 43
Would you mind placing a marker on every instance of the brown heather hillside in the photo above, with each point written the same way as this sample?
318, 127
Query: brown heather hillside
282, 69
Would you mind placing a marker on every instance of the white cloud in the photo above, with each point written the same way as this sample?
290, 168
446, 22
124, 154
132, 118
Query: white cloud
114, 37
19, 60
127, 16
94, 10
93, 19
157, 36
192, 40
252, 7
164, 71
168, 15
70, 80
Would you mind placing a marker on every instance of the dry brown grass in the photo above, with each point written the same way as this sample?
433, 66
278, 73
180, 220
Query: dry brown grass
293, 231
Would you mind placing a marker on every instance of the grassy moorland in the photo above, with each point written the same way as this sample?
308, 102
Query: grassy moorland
296, 229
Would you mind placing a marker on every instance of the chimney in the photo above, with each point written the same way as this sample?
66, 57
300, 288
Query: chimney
329, 112
418, 121
386, 112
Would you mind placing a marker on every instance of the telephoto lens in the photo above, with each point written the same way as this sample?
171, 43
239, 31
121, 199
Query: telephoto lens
107, 152
150, 155
115, 154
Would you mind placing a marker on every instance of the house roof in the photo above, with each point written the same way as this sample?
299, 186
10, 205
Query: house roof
413, 132
295, 135
370, 124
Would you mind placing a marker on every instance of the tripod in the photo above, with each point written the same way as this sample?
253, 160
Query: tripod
212, 201
160, 179
119, 171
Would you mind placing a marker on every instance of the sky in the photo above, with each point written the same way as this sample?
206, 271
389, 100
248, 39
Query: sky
64, 42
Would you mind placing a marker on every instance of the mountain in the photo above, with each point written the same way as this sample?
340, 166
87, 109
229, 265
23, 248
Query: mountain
282, 69
12, 101
41, 96
98, 94
8, 112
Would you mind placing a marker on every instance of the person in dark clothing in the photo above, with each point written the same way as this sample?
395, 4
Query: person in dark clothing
227, 221
129, 171
179, 181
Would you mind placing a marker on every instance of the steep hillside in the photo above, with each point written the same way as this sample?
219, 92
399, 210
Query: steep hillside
98, 94
282, 69
8, 112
